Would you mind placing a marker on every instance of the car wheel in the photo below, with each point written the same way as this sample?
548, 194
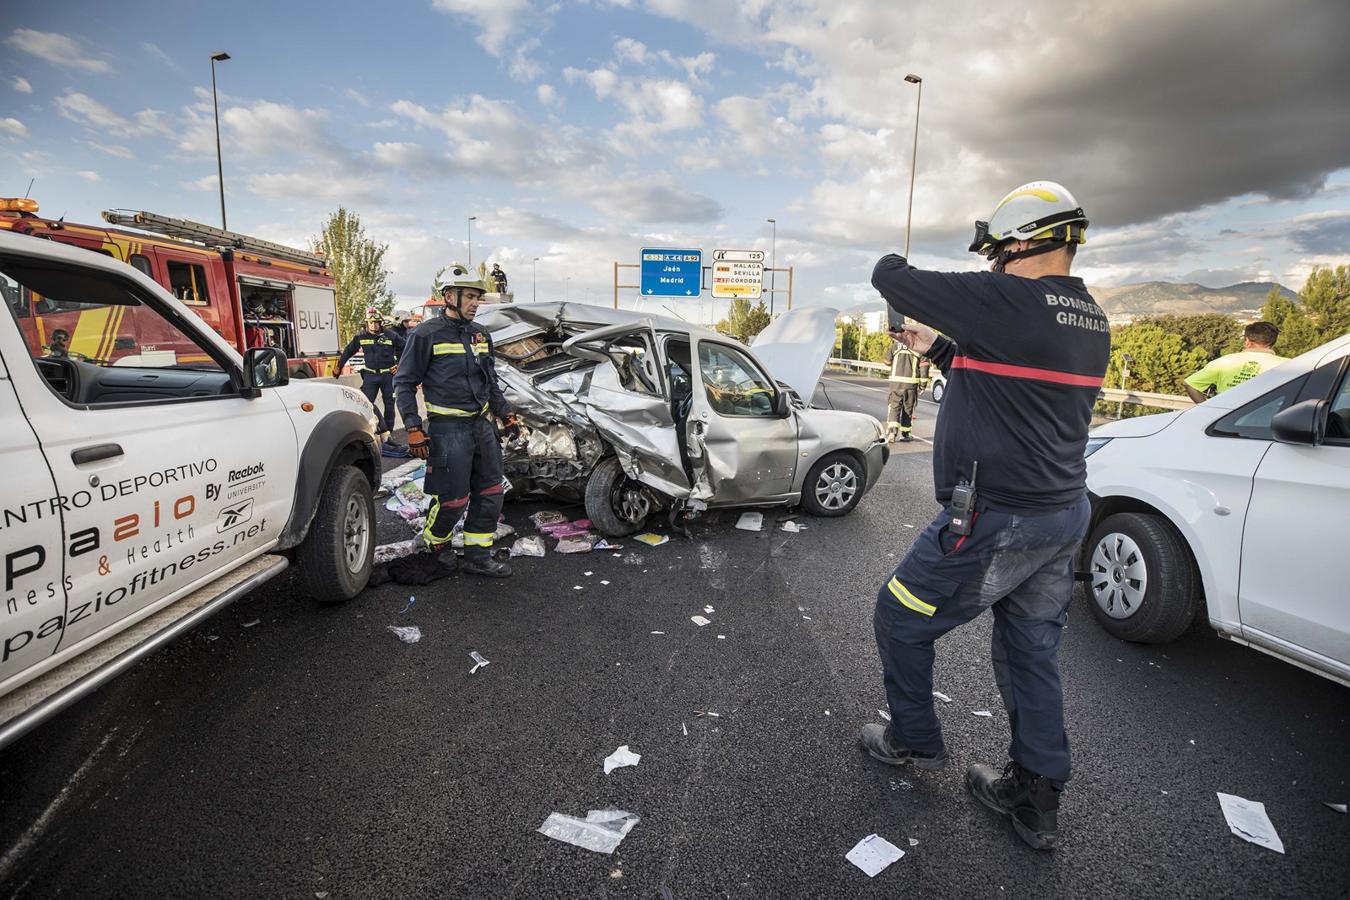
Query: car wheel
1143, 584
336, 556
833, 486
615, 504
939, 388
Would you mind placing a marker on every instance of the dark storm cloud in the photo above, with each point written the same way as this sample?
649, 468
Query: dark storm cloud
1327, 235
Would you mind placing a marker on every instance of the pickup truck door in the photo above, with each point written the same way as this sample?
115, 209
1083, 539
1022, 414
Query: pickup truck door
167, 474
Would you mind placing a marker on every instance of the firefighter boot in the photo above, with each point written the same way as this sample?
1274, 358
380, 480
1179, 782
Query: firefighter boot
892, 430
1030, 800
483, 564
881, 745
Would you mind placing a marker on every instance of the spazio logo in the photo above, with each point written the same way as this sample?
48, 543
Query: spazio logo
234, 515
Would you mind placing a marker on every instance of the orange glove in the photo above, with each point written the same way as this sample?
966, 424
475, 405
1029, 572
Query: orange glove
418, 443
511, 426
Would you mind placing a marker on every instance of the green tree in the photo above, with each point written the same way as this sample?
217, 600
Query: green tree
1322, 312
744, 321
359, 274
874, 346
1158, 363
847, 338
1215, 333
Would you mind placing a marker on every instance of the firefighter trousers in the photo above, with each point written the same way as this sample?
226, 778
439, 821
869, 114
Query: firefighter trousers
464, 474
900, 406
373, 384
1021, 567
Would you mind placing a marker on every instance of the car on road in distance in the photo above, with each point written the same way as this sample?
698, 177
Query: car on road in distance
1237, 509
155, 474
633, 414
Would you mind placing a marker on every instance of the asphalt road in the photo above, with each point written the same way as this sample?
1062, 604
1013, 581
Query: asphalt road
315, 755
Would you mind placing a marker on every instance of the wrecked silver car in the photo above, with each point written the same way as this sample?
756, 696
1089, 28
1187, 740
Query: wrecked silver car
632, 414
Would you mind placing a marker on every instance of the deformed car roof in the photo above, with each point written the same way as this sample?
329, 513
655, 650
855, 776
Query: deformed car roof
508, 321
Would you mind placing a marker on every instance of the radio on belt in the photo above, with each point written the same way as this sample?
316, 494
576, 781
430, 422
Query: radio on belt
963, 503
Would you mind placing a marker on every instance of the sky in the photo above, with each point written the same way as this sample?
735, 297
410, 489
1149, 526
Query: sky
1207, 140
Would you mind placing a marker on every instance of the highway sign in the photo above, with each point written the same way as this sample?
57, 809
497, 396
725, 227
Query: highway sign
671, 273
738, 273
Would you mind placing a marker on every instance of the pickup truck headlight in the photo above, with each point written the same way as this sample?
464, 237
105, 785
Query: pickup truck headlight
1094, 444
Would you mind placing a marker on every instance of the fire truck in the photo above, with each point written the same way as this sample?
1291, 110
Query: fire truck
253, 293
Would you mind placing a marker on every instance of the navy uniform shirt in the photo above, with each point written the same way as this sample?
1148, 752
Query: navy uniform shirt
452, 360
380, 349
1024, 359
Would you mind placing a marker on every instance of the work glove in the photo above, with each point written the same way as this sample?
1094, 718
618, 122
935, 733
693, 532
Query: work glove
418, 443
511, 427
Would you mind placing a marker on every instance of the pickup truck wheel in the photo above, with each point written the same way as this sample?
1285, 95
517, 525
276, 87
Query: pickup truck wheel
939, 388
1142, 584
336, 556
615, 504
833, 486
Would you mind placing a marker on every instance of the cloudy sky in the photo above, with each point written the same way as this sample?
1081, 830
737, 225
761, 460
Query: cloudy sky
1208, 140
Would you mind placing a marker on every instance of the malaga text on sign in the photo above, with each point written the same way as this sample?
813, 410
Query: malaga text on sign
738, 273
671, 273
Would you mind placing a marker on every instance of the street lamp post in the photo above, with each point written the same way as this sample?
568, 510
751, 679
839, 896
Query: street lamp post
914, 159
534, 264
773, 261
472, 219
219, 56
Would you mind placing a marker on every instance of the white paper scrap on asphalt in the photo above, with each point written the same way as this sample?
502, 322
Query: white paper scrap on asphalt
873, 854
478, 661
941, 696
751, 521
621, 758
601, 830
390, 552
884, 714
700, 621
408, 634
1338, 807
983, 714
1248, 820
792, 527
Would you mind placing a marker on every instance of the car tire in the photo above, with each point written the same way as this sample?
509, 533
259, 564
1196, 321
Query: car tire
1142, 585
834, 485
939, 388
336, 556
606, 505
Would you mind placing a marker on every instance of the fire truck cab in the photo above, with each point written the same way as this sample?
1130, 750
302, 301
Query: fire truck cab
251, 292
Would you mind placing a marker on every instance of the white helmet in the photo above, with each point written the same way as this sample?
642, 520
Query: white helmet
1038, 211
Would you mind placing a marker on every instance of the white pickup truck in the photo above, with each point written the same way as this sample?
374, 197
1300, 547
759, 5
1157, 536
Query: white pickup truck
143, 495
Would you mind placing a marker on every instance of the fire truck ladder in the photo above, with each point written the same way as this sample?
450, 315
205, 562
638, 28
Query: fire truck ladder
209, 235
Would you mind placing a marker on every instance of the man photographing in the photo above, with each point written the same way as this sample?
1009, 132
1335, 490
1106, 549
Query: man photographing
1025, 350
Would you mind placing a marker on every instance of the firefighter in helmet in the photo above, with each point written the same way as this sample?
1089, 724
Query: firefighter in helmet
909, 373
450, 357
380, 350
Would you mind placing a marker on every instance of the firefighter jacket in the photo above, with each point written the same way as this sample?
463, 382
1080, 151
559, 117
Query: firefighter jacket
381, 350
907, 367
452, 360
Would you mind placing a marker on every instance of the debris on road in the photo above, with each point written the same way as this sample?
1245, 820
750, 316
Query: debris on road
621, 758
603, 544
411, 601
792, 527
751, 521
1248, 820
651, 540
982, 713
546, 518
700, 621
884, 714
408, 634
561, 530
685, 729
723, 637
873, 854
905, 524
941, 696
658, 632
390, 552
478, 661
700, 713
528, 546
579, 544
914, 842
601, 830
604, 582
1338, 807
251, 624
709, 610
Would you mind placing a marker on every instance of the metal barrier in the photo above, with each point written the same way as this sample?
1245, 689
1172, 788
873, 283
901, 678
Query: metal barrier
1109, 395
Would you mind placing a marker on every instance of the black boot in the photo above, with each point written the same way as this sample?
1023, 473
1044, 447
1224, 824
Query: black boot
878, 741
487, 566
1030, 800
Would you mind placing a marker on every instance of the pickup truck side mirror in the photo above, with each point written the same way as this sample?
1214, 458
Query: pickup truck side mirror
264, 367
1302, 423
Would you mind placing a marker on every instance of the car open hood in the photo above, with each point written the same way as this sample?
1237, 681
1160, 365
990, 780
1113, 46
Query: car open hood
796, 346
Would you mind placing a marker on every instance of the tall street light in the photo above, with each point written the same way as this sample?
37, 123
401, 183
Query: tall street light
534, 264
914, 159
219, 56
773, 261
472, 219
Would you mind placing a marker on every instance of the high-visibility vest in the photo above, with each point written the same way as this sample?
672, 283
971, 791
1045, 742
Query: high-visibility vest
908, 367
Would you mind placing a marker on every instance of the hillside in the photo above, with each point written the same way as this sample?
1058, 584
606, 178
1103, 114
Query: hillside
1131, 301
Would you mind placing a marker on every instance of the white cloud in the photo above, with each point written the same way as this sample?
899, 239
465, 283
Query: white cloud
260, 129
13, 127
629, 50
116, 150
328, 186
757, 130
496, 19
85, 110
356, 96
88, 175
21, 85
525, 65
205, 183
57, 49
155, 52
602, 81
547, 94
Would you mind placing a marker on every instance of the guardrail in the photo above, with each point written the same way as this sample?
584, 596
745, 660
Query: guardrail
1110, 395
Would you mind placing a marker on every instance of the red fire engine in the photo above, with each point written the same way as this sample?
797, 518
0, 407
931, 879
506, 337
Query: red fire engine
253, 293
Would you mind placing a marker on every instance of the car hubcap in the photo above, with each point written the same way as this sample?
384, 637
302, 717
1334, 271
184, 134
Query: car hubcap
1119, 576
836, 486
355, 533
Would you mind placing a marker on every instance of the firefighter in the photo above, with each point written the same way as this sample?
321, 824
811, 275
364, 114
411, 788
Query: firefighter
1025, 349
451, 359
401, 324
498, 278
909, 374
380, 350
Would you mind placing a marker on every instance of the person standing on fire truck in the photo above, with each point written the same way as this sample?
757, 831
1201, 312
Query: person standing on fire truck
451, 359
381, 350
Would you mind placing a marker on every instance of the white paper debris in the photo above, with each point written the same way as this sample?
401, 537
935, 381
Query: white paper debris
983, 713
873, 854
251, 624
577, 544
658, 632
478, 661
1248, 820
700, 621
914, 842
389, 552
750, 521
1338, 807
884, 714
906, 525
408, 634
588, 574
601, 830
792, 527
621, 758
603, 544
604, 582
941, 696
528, 546
709, 610
807, 618
721, 637
685, 729
576, 587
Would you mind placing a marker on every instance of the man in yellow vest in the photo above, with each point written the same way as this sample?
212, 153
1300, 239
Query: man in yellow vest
909, 373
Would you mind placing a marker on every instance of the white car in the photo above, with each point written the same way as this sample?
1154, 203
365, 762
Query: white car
144, 494
1238, 509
